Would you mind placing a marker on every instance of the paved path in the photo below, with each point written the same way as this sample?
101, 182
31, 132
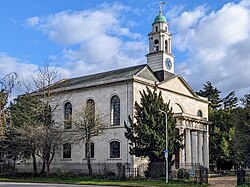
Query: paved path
14, 184
229, 181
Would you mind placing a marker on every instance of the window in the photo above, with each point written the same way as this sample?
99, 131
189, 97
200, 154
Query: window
199, 113
156, 28
92, 150
115, 110
114, 149
68, 115
156, 45
91, 105
66, 150
166, 46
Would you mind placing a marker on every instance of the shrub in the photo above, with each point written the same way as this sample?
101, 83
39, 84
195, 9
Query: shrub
182, 174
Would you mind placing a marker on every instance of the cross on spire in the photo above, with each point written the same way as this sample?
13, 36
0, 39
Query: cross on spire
160, 4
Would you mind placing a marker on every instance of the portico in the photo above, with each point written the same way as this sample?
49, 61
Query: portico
195, 139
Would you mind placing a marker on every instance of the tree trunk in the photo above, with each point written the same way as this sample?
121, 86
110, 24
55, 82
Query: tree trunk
34, 164
1, 125
47, 168
89, 158
43, 169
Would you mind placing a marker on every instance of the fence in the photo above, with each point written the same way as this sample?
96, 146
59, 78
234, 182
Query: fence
6, 167
121, 170
198, 173
243, 177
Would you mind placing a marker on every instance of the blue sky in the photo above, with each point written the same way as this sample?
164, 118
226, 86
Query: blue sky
211, 39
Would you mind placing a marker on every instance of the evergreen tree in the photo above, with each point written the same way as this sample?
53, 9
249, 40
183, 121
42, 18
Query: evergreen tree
25, 112
230, 101
222, 129
213, 95
147, 135
241, 146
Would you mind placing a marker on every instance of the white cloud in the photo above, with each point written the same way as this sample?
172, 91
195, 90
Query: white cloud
33, 21
95, 40
9, 64
216, 45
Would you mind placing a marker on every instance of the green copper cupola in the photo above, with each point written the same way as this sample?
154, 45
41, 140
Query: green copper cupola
160, 18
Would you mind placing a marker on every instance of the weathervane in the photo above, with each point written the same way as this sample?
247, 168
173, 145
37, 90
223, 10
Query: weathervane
160, 4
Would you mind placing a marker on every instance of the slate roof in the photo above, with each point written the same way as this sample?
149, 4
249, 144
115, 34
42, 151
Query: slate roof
115, 74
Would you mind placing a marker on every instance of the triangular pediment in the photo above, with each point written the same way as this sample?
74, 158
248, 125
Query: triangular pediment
178, 85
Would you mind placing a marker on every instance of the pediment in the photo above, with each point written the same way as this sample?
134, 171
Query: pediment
178, 85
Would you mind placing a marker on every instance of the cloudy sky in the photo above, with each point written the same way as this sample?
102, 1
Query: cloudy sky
211, 39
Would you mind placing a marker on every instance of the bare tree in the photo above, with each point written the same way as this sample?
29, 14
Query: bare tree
38, 129
50, 142
88, 123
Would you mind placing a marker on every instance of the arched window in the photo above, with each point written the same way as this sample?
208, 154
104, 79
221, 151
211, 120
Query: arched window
156, 45
66, 150
92, 150
91, 105
115, 110
67, 115
91, 108
156, 28
166, 46
199, 113
115, 149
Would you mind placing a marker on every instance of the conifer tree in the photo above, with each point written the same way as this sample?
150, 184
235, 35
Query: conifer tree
147, 134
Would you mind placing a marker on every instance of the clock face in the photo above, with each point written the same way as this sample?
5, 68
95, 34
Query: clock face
168, 63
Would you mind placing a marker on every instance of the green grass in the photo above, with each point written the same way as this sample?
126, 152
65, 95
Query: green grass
83, 180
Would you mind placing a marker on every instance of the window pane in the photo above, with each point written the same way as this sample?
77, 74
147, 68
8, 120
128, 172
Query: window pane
115, 149
115, 110
91, 109
199, 113
67, 116
66, 150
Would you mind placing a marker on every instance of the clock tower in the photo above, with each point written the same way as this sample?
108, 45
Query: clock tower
160, 58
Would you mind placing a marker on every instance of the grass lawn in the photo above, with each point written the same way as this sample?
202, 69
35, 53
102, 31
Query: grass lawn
83, 180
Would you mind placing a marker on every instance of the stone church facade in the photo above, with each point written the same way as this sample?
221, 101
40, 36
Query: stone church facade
114, 93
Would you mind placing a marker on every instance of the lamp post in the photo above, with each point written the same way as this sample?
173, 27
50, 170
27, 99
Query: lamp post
166, 151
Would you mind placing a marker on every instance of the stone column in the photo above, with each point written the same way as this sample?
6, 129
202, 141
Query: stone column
188, 146
182, 151
194, 147
206, 149
200, 146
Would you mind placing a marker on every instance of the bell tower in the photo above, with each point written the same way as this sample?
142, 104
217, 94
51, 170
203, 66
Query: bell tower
160, 58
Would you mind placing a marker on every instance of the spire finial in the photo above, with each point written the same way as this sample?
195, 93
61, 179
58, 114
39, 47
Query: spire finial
160, 4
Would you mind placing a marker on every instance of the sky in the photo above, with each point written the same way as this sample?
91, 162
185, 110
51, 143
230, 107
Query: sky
210, 39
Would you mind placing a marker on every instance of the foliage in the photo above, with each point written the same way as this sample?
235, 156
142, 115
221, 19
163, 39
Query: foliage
213, 95
241, 146
222, 129
34, 133
182, 174
6, 85
146, 134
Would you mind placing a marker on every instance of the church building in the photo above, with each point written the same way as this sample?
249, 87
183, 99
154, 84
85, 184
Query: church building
114, 94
